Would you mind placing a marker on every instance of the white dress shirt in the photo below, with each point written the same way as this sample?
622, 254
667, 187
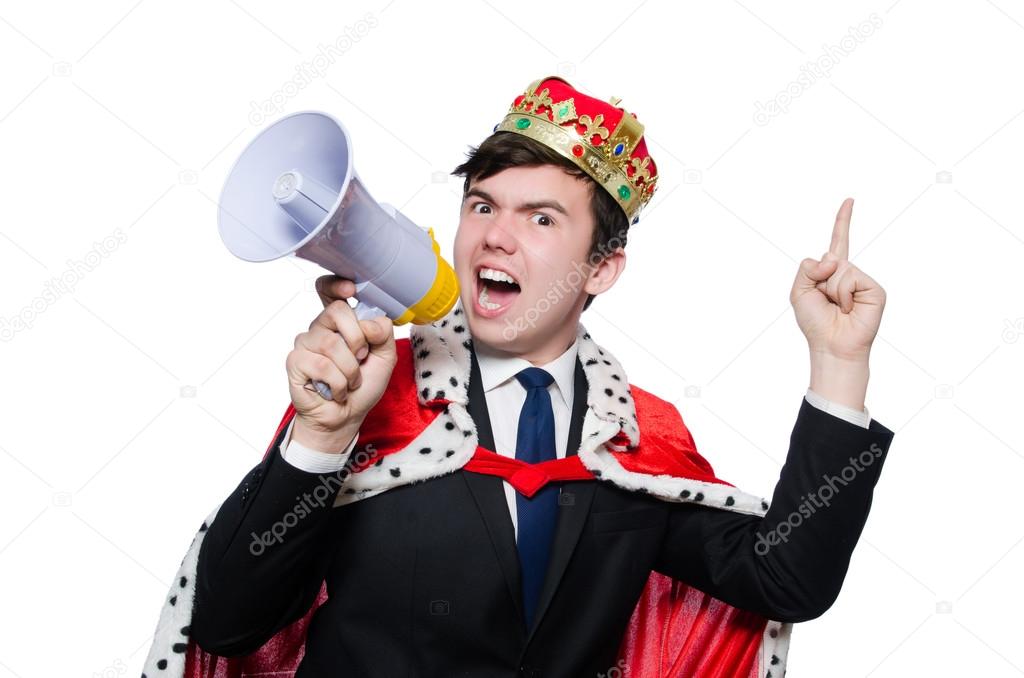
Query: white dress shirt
505, 397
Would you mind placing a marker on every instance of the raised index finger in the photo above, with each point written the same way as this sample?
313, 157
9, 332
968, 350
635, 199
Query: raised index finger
840, 245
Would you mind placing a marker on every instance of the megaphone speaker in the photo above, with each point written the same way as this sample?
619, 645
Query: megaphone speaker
294, 191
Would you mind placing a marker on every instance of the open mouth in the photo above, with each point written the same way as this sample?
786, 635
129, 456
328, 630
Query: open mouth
496, 290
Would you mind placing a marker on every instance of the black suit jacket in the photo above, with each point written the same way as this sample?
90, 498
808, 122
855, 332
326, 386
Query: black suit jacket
424, 578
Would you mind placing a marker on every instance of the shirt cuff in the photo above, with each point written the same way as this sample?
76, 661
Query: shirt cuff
845, 413
310, 460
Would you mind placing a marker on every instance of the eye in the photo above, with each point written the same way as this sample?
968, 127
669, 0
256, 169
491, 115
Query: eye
542, 220
484, 205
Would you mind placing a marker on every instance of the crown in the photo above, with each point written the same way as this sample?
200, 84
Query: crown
601, 139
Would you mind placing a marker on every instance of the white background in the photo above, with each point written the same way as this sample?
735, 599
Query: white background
143, 392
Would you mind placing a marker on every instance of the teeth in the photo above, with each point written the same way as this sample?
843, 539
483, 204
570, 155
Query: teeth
492, 274
485, 302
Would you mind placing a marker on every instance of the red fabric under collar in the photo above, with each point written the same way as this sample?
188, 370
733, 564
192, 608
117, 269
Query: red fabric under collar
526, 478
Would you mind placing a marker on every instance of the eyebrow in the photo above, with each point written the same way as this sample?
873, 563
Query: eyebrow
532, 205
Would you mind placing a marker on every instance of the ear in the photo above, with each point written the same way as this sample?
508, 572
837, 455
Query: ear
605, 272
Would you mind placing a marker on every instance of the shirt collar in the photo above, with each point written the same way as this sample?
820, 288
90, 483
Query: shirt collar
496, 368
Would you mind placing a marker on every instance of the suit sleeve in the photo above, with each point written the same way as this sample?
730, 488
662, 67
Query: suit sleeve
788, 565
265, 555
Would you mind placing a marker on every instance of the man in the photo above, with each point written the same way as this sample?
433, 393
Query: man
468, 535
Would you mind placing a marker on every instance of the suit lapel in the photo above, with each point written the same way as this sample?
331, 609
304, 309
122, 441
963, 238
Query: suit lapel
489, 493
573, 505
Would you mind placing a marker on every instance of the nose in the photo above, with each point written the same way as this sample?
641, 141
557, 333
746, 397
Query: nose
500, 235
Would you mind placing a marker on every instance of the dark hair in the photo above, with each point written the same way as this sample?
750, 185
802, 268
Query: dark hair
503, 150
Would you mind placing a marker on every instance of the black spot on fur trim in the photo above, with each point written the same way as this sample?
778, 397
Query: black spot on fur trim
466, 434
684, 494
699, 496
425, 392
449, 453
616, 377
467, 344
764, 504
378, 462
444, 323
439, 394
162, 664
424, 450
622, 399
774, 633
597, 473
592, 361
423, 354
729, 501
449, 425
453, 381
425, 373
182, 582
459, 328
203, 527
395, 472
173, 600
179, 647
186, 630
608, 392
606, 362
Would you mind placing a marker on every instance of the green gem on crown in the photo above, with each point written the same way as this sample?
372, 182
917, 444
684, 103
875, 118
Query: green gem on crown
624, 192
522, 123
563, 111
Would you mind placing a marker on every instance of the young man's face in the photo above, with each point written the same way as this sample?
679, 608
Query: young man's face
534, 224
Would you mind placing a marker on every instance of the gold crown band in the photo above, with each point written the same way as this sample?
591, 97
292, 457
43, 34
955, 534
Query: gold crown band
630, 196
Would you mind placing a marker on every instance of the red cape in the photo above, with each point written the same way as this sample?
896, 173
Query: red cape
675, 629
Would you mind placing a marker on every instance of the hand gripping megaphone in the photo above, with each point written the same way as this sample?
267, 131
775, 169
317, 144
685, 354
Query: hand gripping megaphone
294, 190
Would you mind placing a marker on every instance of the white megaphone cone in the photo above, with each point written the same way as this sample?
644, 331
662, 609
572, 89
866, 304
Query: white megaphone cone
294, 190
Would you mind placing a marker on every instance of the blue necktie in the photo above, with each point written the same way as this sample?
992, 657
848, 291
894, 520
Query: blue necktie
536, 516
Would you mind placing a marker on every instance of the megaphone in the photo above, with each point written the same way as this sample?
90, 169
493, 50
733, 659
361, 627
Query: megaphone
294, 190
